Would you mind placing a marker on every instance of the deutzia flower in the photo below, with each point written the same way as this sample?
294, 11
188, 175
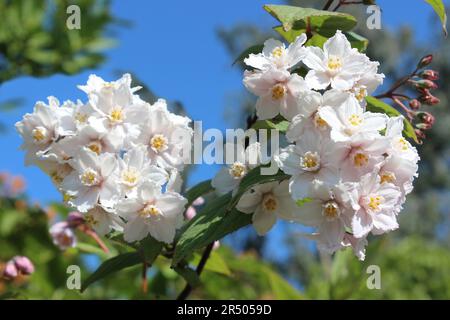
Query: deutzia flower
63, 236
229, 177
275, 54
102, 221
308, 117
267, 202
368, 82
313, 157
167, 137
44, 126
152, 212
329, 210
375, 206
94, 181
338, 64
349, 120
135, 168
357, 244
277, 92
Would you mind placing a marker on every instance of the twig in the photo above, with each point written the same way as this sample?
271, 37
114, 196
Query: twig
144, 278
188, 288
97, 239
328, 5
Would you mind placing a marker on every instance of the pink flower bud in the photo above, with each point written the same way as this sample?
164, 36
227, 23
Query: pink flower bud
216, 245
425, 61
10, 271
63, 236
424, 84
414, 104
429, 99
190, 213
426, 120
199, 201
429, 75
74, 219
24, 265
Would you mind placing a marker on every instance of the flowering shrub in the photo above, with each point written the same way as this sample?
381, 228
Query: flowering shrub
346, 170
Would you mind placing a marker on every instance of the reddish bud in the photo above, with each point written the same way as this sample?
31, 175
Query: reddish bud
425, 119
423, 84
425, 61
414, 104
74, 219
429, 99
429, 75
24, 265
10, 271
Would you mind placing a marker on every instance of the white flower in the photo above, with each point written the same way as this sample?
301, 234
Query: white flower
308, 118
313, 157
102, 221
44, 126
277, 92
229, 177
152, 212
367, 84
349, 120
328, 209
357, 244
267, 202
375, 205
167, 137
135, 168
338, 64
276, 55
94, 181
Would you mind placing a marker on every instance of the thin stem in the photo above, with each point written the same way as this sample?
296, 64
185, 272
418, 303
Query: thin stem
97, 239
188, 289
328, 5
144, 278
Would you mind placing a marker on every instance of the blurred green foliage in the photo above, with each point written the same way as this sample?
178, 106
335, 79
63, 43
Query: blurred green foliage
35, 41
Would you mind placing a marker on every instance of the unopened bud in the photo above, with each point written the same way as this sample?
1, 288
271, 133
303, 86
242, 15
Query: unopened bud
10, 271
24, 265
423, 84
425, 61
190, 213
429, 99
414, 104
429, 75
74, 219
426, 120
420, 134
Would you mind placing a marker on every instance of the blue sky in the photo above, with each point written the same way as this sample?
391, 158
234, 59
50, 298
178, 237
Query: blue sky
173, 47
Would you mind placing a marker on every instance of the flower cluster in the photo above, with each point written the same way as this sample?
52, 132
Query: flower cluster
18, 265
116, 158
350, 169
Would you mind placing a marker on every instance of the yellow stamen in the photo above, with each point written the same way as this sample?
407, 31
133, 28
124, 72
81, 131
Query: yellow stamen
360, 160
278, 92
387, 177
331, 210
270, 203
334, 63
375, 202
278, 52
355, 120
238, 170
310, 161
158, 143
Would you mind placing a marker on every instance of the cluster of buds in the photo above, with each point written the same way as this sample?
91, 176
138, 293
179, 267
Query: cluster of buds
423, 81
17, 266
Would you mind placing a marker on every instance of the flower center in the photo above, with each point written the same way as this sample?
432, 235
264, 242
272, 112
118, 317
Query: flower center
89, 178
360, 93
401, 144
238, 170
158, 143
310, 161
360, 159
375, 202
387, 177
334, 63
39, 134
80, 117
130, 177
330, 210
355, 120
56, 178
116, 115
278, 52
278, 92
319, 122
150, 210
95, 146
270, 203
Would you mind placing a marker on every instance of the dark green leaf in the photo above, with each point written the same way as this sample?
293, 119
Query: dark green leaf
197, 191
189, 275
375, 105
111, 266
150, 248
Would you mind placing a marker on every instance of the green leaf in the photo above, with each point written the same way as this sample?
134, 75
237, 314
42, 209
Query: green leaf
281, 126
439, 8
150, 248
215, 263
255, 177
189, 275
89, 248
317, 40
111, 266
197, 191
281, 288
323, 22
252, 50
301, 202
375, 105
212, 223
